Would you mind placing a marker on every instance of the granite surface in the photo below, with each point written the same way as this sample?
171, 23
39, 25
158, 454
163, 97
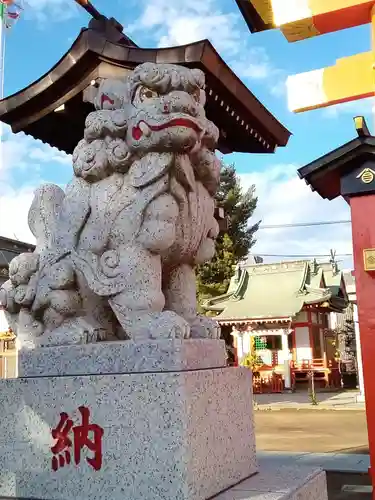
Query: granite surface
280, 483
122, 357
166, 436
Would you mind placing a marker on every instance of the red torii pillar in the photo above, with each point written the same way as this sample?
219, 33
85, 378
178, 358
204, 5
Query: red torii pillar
349, 171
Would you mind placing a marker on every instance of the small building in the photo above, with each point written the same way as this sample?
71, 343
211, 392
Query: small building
280, 313
8, 363
8, 250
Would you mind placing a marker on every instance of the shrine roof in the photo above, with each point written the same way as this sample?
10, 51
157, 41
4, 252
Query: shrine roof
324, 174
102, 51
9, 248
268, 292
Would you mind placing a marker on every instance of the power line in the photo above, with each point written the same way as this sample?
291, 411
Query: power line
305, 224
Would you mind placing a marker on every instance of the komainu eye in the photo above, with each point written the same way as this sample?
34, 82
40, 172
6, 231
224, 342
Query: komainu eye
143, 94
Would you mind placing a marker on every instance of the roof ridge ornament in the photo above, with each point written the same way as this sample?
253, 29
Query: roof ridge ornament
314, 266
89, 8
333, 262
111, 27
361, 126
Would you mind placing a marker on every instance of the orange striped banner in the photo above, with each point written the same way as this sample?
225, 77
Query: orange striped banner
350, 79
301, 19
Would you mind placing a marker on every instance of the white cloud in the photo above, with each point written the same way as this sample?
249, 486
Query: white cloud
180, 22
21, 158
283, 198
14, 207
360, 107
44, 10
48, 154
254, 64
20, 151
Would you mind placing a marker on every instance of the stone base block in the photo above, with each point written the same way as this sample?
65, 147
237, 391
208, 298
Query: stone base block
122, 357
147, 436
281, 483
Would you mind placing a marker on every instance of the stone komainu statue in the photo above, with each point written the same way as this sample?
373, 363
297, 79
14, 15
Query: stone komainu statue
115, 253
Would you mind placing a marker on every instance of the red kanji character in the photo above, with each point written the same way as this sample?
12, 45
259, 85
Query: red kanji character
63, 442
82, 440
61, 448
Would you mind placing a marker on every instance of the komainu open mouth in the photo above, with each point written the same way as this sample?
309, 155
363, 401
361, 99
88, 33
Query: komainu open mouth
144, 128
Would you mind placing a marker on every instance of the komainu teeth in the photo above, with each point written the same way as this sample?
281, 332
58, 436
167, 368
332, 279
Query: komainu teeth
145, 129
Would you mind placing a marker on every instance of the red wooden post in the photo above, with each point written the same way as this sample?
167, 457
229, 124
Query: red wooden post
363, 229
349, 171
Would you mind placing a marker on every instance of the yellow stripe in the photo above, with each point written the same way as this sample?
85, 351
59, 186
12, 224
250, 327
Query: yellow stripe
299, 30
264, 9
351, 78
324, 6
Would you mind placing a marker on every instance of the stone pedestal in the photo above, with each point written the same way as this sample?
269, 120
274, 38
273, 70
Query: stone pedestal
280, 483
157, 421
167, 435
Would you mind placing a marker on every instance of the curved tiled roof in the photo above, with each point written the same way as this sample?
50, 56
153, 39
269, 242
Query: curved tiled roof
268, 291
103, 51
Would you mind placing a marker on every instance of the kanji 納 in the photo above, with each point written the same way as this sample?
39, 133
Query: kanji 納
68, 436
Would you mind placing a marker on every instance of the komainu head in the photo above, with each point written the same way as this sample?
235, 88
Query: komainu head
158, 108
167, 109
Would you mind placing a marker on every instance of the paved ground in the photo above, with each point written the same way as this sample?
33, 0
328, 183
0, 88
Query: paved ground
338, 486
345, 473
345, 400
330, 462
312, 431
335, 441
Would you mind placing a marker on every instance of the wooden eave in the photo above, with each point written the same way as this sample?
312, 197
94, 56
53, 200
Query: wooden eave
324, 174
256, 321
245, 124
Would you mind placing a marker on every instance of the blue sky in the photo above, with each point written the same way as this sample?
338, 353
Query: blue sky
48, 28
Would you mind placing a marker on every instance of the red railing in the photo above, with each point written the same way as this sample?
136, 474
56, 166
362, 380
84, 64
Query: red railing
320, 368
268, 384
311, 364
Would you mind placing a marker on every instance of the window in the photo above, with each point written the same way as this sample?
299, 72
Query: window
270, 342
316, 347
325, 320
274, 342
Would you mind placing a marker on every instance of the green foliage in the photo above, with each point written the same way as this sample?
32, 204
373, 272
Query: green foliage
232, 246
312, 393
313, 398
252, 361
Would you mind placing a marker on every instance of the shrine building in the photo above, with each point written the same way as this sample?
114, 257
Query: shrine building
8, 250
281, 312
